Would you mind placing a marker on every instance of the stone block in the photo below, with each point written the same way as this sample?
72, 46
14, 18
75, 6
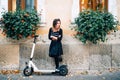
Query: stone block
77, 56
100, 56
116, 55
9, 56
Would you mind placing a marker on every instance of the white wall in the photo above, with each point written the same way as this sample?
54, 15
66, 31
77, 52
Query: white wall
41, 9
75, 10
58, 9
3, 6
112, 7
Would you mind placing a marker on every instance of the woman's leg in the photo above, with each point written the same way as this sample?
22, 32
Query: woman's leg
56, 62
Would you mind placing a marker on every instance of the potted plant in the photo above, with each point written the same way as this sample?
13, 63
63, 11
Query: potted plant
94, 26
20, 24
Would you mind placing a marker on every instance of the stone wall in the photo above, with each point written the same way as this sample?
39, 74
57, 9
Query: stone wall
76, 55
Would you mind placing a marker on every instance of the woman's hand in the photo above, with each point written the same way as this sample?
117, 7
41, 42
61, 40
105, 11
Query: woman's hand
54, 38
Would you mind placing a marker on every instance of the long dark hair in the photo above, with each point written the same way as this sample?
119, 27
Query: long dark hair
55, 22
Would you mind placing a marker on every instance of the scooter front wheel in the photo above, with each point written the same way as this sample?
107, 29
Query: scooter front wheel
28, 71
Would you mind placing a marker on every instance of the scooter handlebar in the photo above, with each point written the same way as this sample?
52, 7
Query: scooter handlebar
35, 38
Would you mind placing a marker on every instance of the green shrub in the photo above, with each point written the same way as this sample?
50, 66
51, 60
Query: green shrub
93, 26
20, 24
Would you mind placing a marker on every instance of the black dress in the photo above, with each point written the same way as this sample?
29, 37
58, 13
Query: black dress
55, 49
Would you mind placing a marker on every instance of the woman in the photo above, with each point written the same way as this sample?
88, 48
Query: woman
55, 35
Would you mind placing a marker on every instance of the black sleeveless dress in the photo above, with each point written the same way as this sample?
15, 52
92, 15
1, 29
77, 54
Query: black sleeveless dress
55, 48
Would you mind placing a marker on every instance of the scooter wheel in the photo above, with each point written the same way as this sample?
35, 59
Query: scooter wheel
28, 71
63, 71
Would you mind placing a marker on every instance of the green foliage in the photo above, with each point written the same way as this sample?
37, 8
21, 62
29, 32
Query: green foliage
20, 24
93, 26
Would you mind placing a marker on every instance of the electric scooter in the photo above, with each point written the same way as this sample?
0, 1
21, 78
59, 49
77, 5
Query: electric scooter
31, 67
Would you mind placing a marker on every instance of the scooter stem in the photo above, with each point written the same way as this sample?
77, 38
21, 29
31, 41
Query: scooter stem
32, 52
33, 48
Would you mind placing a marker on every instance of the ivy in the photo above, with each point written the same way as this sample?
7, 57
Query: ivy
94, 26
20, 24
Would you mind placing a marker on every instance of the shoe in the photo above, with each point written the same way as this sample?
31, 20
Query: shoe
57, 69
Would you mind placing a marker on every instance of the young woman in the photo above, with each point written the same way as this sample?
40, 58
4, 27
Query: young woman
55, 35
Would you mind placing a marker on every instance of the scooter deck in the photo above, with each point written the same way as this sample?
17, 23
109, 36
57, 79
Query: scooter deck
46, 71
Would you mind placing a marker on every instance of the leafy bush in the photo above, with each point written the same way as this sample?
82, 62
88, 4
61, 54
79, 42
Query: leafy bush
20, 24
93, 26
